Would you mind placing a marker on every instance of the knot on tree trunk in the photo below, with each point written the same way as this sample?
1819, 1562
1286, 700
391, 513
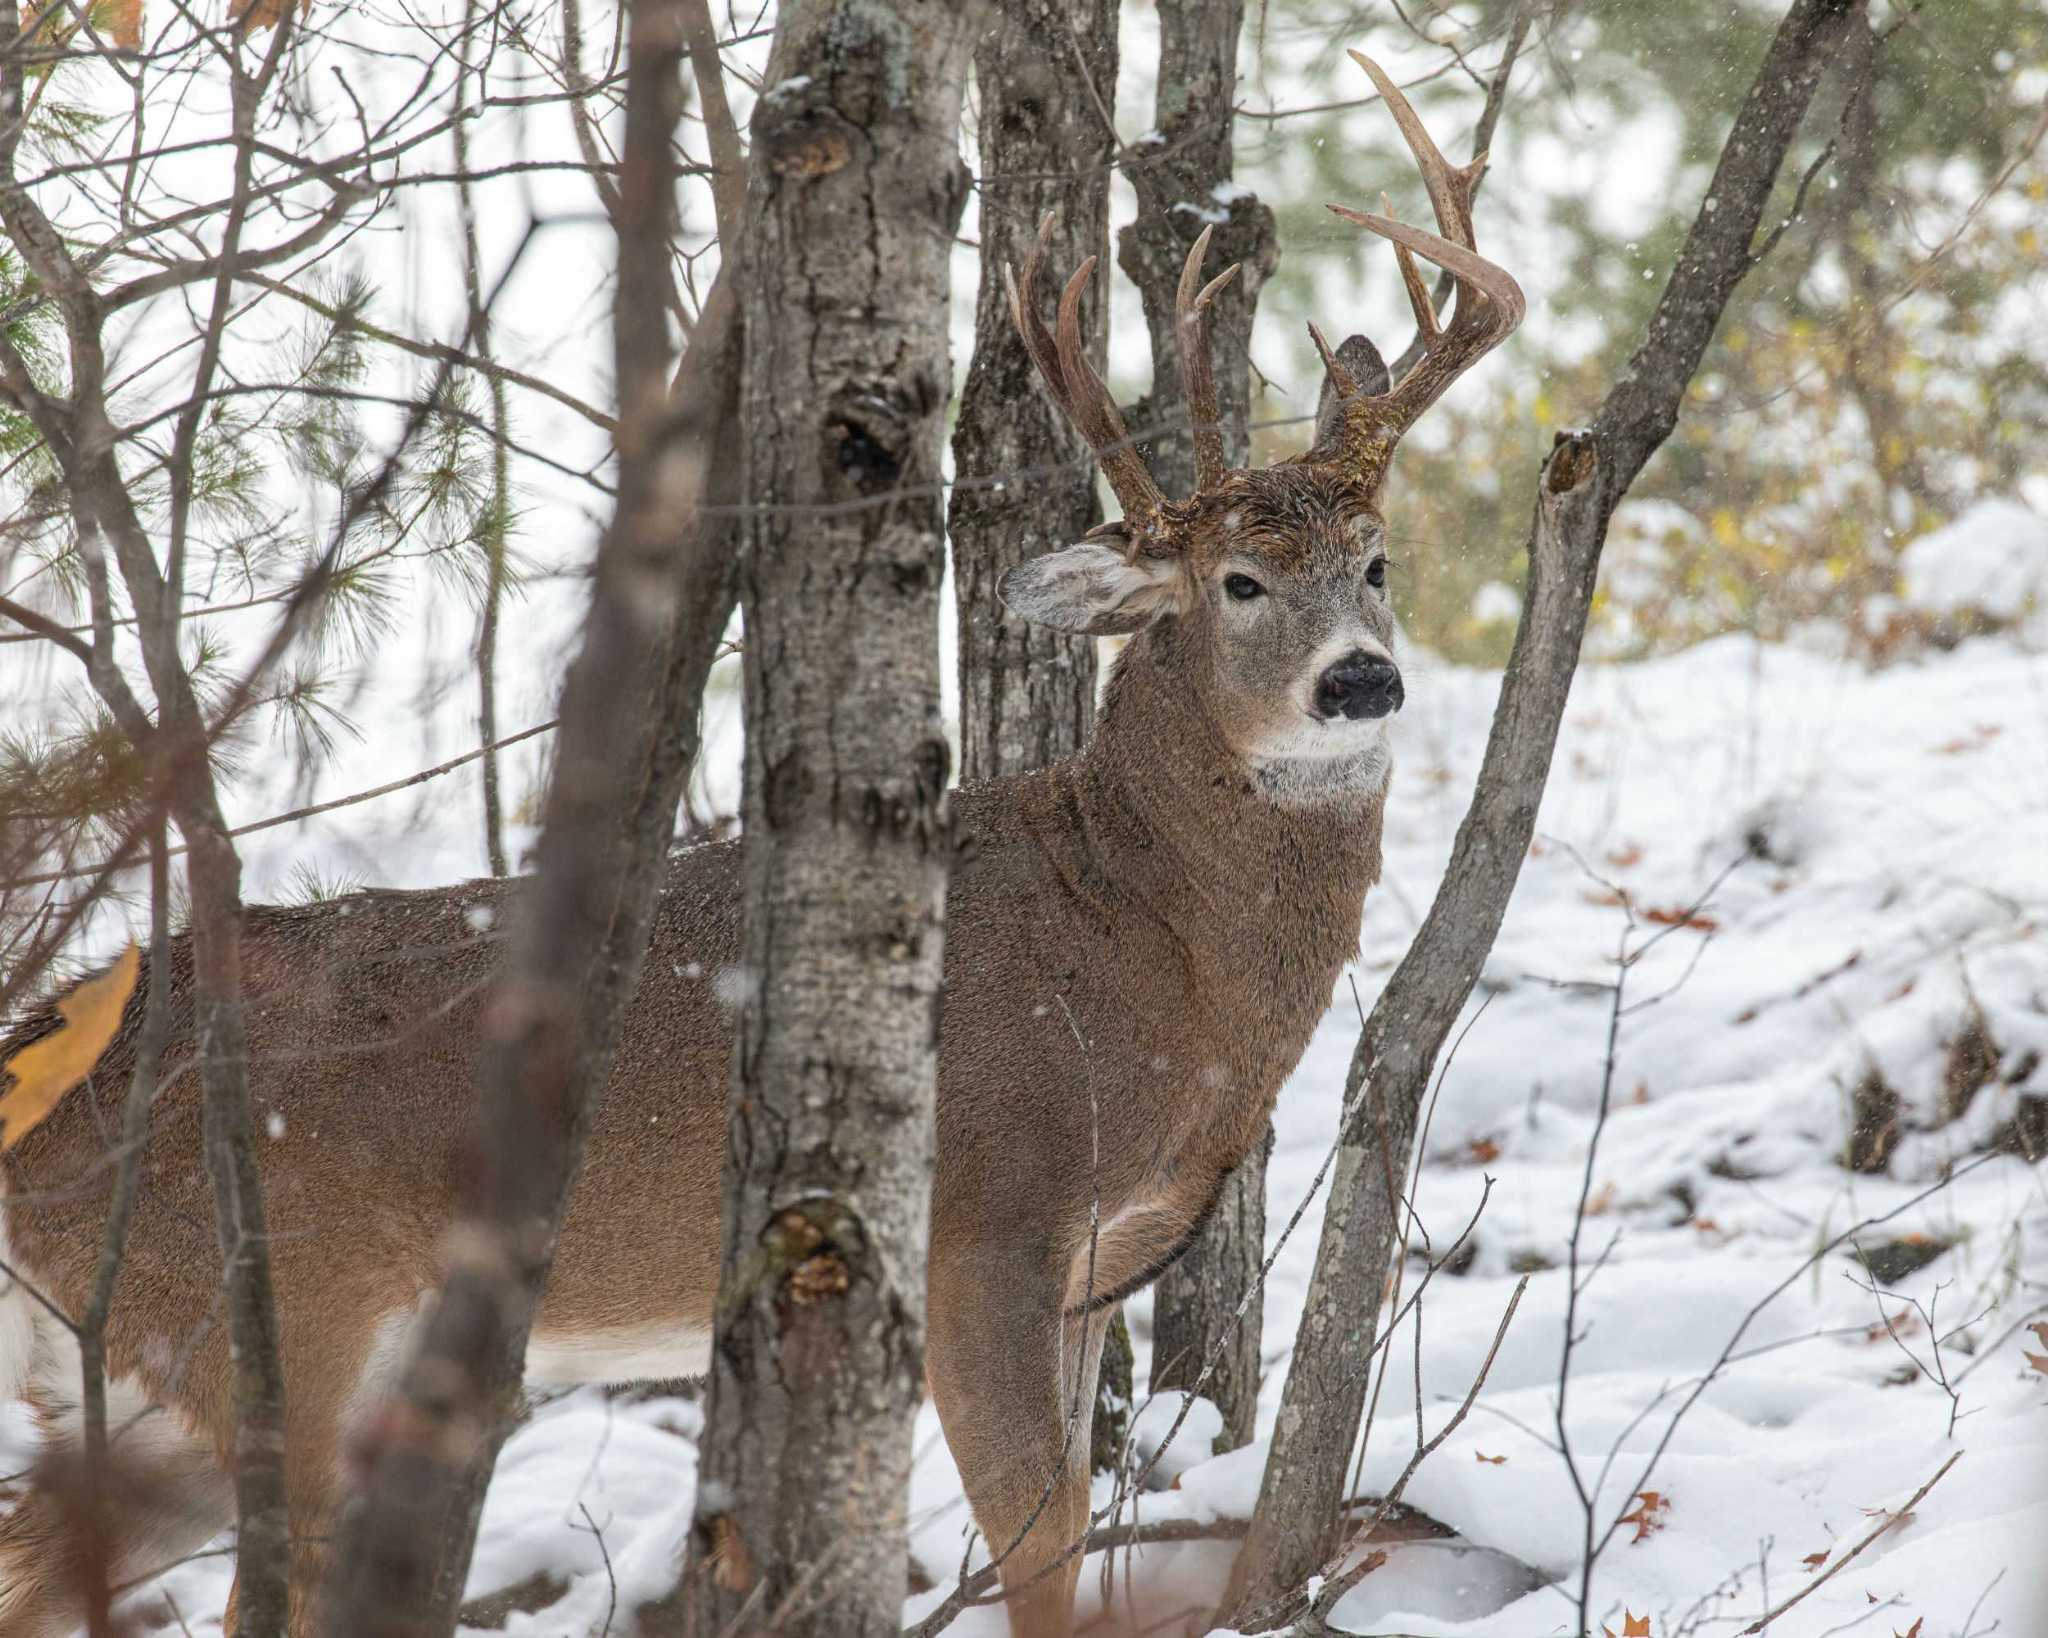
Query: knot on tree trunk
1573, 458
800, 140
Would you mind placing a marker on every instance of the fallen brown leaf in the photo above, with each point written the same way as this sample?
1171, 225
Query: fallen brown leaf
1683, 918
1902, 1324
1648, 1518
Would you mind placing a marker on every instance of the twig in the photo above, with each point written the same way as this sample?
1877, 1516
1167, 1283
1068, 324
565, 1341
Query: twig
297, 814
48, 630
1842, 1563
611, 1608
92, 1327
728, 163
1108, 1538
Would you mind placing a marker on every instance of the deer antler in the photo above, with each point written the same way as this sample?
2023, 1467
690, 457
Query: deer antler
1197, 370
1074, 385
1489, 303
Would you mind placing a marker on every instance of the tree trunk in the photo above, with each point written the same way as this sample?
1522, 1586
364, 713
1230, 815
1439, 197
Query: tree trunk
1184, 184
1025, 480
1295, 1528
818, 1353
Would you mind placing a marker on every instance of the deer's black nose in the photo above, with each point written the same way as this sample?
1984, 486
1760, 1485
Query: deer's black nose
1359, 685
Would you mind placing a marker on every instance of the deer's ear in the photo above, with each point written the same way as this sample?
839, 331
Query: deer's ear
1362, 359
1090, 587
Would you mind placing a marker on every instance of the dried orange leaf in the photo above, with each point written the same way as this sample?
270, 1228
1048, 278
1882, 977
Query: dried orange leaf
253, 15
733, 1567
1493, 1461
1648, 1517
1682, 918
45, 1070
1632, 1626
1814, 1561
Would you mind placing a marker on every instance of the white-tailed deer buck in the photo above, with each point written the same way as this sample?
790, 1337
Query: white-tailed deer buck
1138, 946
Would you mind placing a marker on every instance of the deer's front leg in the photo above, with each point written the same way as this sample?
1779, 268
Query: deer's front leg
1014, 1380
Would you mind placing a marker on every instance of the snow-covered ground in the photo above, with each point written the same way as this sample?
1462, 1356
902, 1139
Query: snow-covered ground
1873, 848
1858, 862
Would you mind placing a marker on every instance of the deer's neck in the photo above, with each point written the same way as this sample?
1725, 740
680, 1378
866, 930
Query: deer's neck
1260, 873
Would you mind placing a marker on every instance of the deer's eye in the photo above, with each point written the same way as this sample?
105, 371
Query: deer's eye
1242, 587
1376, 572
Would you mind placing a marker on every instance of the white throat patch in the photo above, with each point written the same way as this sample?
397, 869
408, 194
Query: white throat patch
1297, 781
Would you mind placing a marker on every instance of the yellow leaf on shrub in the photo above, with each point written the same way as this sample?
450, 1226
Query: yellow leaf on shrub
44, 1070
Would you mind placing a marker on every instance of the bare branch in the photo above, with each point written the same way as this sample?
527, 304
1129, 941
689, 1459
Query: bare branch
728, 162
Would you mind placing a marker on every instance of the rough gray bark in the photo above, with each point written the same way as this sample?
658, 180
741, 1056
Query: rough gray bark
1024, 479
1294, 1529
1195, 1303
661, 595
818, 1348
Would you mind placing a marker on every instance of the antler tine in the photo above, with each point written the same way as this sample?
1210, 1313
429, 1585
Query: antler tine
1342, 381
1031, 328
1073, 384
1450, 189
1095, 413
1197, 368
1419, 301
1468, 267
